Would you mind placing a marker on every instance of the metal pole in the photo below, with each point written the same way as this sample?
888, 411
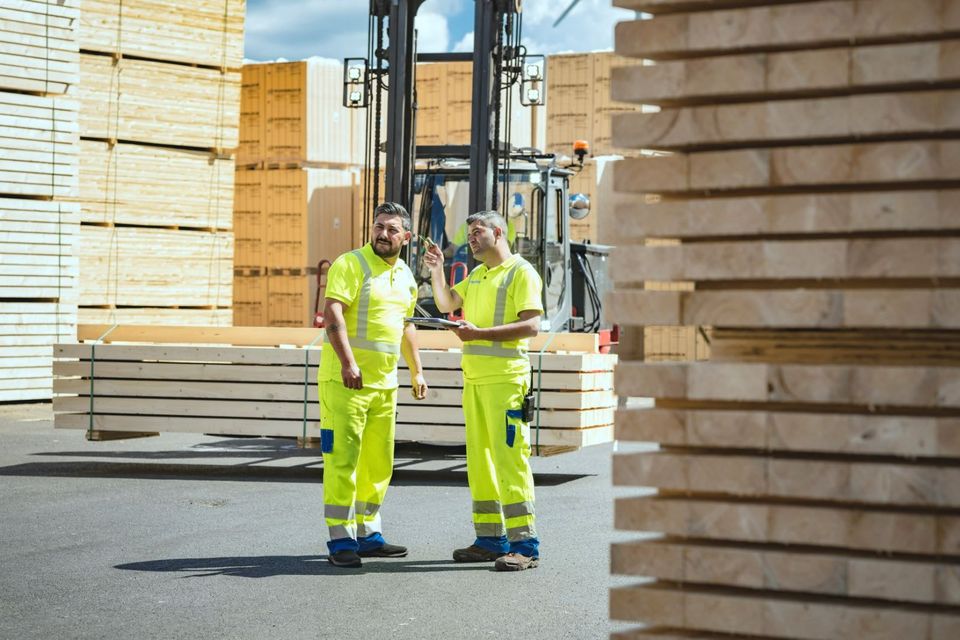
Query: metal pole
399, 102
481, 134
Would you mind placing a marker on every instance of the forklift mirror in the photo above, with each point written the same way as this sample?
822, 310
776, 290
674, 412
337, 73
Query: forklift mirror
579, 206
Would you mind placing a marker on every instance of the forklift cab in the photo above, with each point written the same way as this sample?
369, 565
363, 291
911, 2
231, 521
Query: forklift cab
537, 226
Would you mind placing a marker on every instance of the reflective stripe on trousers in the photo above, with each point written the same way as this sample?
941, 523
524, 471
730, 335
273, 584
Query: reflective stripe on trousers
500, 477
358, 465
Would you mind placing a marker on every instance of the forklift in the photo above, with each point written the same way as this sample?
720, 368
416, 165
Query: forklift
441, 184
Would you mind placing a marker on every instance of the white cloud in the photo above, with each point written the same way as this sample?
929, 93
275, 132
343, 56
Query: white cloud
465, 43
336, 29
433, 33
588, 27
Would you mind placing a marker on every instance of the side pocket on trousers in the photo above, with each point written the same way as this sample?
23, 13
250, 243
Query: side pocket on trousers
513, 415
326, 440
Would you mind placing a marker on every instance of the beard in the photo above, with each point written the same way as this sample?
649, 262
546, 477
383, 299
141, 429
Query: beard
385, 249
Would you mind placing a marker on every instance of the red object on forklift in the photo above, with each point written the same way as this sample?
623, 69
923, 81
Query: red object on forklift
322, 267
454, 268
609, 338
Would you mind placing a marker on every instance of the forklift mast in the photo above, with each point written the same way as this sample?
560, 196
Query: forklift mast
400, 55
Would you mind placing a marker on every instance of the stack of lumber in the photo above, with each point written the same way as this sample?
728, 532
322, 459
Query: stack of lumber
38, 169
296, 181
239, 381
159, 112
445, 101
806, 476
579, 106
292, 113
286, 222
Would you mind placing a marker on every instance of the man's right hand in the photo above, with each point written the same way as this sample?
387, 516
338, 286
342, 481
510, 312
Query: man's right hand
351, 376
433, 258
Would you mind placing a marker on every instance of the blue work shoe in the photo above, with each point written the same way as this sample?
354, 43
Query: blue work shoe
374, 546
386, 550
345, 558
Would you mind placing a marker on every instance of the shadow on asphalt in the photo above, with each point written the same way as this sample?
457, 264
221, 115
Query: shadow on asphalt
309, 472
270, 566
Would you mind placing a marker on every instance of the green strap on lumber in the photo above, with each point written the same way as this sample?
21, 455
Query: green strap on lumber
93, 360
306, 382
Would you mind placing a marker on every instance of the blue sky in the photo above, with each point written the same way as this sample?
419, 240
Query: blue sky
295, 29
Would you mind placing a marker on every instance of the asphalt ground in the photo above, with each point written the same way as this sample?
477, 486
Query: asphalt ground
187, 536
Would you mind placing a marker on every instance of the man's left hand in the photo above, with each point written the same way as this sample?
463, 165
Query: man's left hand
467, 331
418, 387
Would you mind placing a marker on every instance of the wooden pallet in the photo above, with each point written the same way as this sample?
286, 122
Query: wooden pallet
802, 197
206, 389
207, 32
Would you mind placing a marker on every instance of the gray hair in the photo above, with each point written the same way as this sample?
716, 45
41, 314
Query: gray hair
489, 219
393, 209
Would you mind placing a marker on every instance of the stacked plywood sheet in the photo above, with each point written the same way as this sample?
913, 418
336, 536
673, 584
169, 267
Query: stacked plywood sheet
287, 221
806, 479
38, 168
293, 115
579, 106
204, 32
296, 187
159, 110
243, 383
38, 46
445, 101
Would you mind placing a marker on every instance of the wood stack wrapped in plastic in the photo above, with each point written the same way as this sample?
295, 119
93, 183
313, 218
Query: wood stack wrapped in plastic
159, 100
807, 479
298, 170
236, 380
38, 171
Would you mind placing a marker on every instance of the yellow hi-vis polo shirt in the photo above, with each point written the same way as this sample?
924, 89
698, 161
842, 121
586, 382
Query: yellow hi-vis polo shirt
377, 297
493, 297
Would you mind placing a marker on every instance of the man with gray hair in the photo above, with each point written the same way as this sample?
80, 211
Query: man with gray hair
502, 304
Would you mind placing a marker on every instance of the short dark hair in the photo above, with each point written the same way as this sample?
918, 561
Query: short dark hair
489, 219
394, 210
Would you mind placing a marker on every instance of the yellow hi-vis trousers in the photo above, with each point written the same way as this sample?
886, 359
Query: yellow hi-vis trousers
498, 462
356, 438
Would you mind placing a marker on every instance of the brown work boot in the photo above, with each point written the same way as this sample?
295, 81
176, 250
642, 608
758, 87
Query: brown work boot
515, 562
473, 553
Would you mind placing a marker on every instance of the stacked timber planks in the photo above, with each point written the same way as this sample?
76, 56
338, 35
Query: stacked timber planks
159, 109
38, 170
579, 106
445, 102
806, 476
296, 181
268, 390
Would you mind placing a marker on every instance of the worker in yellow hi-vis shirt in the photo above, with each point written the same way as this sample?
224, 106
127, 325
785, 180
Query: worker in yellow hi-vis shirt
502, 304
369, 293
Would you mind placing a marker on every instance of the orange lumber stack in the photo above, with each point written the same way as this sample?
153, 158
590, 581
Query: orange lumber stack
804, 191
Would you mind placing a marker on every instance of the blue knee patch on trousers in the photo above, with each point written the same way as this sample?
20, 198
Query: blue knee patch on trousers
326, 440
493, 543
